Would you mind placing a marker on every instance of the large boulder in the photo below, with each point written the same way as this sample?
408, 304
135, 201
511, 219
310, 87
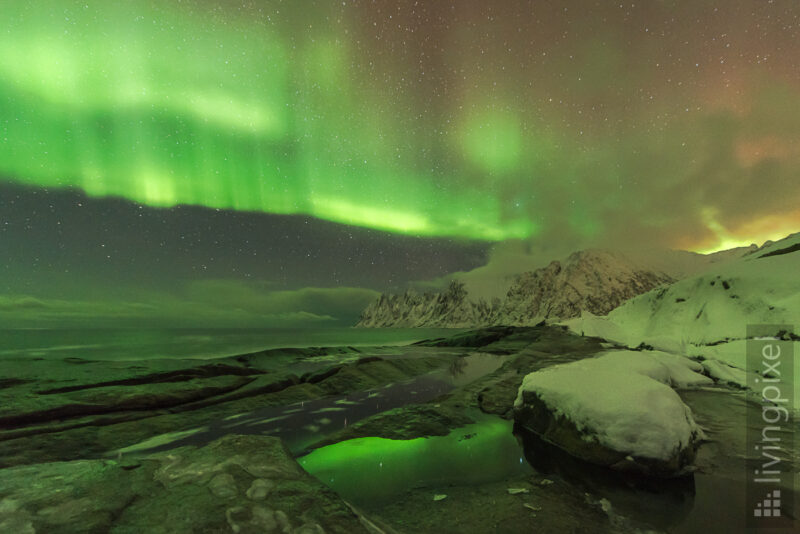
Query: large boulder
617, 410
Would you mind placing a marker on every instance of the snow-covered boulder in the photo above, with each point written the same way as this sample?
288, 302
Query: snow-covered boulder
617, 410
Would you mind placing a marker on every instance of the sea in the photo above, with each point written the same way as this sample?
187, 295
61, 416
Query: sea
181, 343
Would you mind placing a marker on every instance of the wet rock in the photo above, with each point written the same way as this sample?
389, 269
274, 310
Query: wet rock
489, 508
258, 520
185, 491
407, 422
223, 486
311, 528
55, 411
15, 519
259, 489
474, 338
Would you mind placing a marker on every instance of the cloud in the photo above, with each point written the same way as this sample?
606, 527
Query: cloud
506, 260
258, 298
21, 303
208, 303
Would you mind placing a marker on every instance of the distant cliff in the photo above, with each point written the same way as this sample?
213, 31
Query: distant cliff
596, 281
593, 280
450, 308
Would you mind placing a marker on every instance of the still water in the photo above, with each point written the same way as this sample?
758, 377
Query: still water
136, 344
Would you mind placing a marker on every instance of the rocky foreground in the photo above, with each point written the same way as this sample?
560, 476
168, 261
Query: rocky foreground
241, 484
90, 446
54, 410
64, 425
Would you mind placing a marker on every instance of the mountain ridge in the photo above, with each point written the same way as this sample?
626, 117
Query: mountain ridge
593, 280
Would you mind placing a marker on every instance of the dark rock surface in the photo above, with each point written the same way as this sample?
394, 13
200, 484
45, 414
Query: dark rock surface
241, 484
541, 508
408, 422
58, 410
60, 477
528, 349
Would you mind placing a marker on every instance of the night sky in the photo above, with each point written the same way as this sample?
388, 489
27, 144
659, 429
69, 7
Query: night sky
270, 163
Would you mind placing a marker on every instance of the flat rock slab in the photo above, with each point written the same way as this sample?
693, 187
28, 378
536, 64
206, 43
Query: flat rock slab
490, 508
70, 409
241, 484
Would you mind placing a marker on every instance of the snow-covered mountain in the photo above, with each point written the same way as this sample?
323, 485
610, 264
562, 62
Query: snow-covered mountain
683, 263
450, 309
707, 315
596, 281
715, 305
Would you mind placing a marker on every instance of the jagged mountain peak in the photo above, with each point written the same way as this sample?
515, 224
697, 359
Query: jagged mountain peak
594, 280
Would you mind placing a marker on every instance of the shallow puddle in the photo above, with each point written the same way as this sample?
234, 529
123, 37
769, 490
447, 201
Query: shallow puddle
719, 504
369, 471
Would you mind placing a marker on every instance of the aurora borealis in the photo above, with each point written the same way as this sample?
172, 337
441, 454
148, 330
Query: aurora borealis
557, 124
178, 107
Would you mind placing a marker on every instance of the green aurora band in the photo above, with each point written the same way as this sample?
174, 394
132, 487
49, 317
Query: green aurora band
165, 106
570, 124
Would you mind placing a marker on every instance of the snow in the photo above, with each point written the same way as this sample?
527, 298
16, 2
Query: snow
683, 373
624, 399
725, 373
595, 280
707, 315
682, 263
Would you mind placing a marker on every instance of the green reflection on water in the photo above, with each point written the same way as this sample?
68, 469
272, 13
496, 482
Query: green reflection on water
370, 470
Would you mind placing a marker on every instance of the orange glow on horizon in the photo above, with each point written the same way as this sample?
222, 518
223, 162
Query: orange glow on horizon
758, 231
